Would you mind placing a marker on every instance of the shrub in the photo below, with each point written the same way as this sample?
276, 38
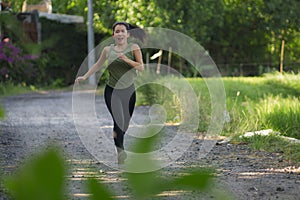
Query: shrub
15, 64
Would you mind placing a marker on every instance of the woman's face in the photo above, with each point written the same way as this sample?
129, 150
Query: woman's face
120, 34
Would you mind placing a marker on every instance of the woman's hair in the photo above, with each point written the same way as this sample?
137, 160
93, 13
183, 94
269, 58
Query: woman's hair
134, 30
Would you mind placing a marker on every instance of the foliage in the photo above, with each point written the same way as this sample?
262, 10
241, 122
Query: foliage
15, 65
157, 92
253, 103
263, 103
18, 57
282, 114
42, 177
273, 143
60, 53
242, 37
34, 1
9, 88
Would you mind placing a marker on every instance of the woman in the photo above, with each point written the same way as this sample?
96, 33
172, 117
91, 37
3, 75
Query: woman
124, 59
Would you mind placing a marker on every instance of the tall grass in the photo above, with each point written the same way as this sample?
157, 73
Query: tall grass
253, 103
1, 112
9, 88
281, 114
270, 102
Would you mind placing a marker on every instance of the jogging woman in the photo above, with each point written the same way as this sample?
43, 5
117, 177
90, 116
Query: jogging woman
124, 59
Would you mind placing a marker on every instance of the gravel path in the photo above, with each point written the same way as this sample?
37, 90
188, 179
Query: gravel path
35, 119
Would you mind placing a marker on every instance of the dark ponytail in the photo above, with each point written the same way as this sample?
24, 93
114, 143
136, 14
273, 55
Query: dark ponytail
134, 30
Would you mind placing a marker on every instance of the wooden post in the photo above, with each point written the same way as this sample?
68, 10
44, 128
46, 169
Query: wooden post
281, 57
147, 60
169, 59
159, 62
159, 56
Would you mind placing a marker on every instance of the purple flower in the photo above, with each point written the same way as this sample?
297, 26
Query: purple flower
10, 60
16, 51
3, 71
30, 57
3, 56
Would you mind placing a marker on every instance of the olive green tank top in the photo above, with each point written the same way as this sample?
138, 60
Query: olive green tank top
121, 74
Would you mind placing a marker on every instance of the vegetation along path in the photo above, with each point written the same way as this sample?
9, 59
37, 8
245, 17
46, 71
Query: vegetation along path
32, 120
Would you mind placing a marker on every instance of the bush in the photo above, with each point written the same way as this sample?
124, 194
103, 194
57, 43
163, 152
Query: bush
64, 49
15, 65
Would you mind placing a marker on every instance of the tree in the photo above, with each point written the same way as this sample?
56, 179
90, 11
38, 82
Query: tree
237, 33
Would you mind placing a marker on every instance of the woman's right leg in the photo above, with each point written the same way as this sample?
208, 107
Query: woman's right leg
114, 106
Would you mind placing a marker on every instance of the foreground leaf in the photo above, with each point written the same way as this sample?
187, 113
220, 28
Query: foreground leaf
42, 177
98, 191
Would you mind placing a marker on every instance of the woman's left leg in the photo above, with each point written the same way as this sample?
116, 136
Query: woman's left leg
128, 104
120, 103
128, 99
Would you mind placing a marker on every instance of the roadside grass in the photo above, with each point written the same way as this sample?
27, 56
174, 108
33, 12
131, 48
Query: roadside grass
268, 102
275, 144
2, 113
253, 103
8, 89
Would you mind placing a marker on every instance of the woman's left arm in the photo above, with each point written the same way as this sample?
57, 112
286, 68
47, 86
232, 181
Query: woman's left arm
138, 63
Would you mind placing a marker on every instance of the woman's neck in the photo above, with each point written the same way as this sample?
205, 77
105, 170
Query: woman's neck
121, 47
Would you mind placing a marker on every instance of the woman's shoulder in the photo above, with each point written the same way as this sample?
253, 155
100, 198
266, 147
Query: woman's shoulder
134, 46
107, 48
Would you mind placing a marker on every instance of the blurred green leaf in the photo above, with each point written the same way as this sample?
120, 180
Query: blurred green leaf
141, 159
145, 184
41, 177
98, 190
193, 180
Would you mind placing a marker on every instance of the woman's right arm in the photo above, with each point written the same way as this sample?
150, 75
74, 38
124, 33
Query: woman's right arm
96, 66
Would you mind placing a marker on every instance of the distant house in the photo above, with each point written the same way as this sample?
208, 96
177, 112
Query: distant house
43, 6
31, 13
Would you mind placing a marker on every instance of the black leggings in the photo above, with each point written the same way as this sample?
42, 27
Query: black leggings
120, 103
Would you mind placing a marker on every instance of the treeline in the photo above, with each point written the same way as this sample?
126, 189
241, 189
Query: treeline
244, 37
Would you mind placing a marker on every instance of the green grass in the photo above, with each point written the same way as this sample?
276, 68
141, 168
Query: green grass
270, 102
8, 89
273, 143
256, 103
253, 103
2, 113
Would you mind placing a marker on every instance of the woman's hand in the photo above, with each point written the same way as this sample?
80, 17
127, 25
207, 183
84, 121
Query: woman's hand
79, 78
123, 57
138, 65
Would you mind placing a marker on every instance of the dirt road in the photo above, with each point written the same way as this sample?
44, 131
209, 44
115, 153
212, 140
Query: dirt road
35, 119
